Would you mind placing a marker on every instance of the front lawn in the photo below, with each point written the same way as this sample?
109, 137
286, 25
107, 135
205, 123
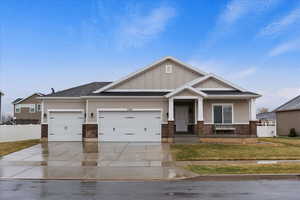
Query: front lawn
10, 147
245, 169
269, 149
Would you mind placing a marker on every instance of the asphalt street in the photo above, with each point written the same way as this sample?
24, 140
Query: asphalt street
246, 190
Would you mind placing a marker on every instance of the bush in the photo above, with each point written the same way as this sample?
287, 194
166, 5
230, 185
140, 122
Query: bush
293, 133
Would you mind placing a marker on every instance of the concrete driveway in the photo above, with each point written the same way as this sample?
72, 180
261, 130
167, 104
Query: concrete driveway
90, 160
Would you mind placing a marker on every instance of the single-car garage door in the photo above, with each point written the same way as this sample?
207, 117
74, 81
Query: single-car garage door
130, 126
65, 126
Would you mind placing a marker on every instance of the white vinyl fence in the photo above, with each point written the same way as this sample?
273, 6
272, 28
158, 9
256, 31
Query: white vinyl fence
9, 133
266, 130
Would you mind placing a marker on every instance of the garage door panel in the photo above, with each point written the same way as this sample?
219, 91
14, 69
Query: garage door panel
65, 126
130, 126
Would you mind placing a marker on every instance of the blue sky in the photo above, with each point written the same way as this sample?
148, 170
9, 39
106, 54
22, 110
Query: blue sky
64, 43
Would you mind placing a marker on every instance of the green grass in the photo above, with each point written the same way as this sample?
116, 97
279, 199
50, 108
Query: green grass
273, 149
10, 147
245, 169
294, 141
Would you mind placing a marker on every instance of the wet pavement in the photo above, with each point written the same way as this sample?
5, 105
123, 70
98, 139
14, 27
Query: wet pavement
93, 161
167, 190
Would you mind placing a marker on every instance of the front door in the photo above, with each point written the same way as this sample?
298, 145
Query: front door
181, 118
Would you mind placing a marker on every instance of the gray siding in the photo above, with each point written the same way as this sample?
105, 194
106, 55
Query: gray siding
287, 120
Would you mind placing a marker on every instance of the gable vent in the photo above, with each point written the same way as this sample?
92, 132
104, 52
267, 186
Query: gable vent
169, 69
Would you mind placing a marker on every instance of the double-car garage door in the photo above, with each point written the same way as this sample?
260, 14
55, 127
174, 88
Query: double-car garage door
129, 126
114, 126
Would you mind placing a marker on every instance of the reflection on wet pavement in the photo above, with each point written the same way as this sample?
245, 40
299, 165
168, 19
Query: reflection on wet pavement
92, 160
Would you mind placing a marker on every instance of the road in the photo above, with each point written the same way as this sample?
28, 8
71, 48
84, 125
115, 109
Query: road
231, 190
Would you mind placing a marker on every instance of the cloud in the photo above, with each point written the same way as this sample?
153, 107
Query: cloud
236, 9
138, 29
280, 25
292, 45
244, 73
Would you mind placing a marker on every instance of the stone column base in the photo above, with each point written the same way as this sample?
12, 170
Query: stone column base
253, 128
171, 129
90, 132
44, 131
200, 128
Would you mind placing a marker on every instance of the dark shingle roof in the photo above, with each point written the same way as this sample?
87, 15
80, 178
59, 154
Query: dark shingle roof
229, 92
130, 94
17, 100
82, 90
293, 104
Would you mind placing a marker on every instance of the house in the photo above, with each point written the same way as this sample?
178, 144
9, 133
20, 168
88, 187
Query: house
28, 110
266, 118
1, 94
153, 104
288, 117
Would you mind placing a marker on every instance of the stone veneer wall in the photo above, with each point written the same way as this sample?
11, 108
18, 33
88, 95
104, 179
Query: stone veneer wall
241, 129
90, 131
44, 131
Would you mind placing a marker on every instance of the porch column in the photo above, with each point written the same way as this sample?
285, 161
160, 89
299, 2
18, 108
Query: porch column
171, 109
200, 109
252, 110
171, 124
200, 122
252, 118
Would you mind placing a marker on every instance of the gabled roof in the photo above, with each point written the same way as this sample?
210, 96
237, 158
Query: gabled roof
178, 90
293, 104
202, 79
149, 67
19, 100
82, 90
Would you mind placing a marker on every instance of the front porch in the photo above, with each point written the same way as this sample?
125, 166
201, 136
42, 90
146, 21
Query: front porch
196, 117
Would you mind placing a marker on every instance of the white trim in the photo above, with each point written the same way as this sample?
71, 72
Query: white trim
221, 104
147, 68
180, 89
146, 109
58, 98
216, 89
65, 110
112, 109
123, 97
140, 90
185, 97
42, 112
230, 96
253, 110
17, 108
200, 109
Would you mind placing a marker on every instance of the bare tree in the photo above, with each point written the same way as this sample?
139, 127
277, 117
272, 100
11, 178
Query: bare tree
263, 110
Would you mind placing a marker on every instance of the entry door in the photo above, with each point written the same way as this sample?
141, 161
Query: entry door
130, 126
65, 126
181, 118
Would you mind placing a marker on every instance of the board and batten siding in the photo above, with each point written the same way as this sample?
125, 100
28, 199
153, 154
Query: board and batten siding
93, 105
240, 110
157, 78
212, 83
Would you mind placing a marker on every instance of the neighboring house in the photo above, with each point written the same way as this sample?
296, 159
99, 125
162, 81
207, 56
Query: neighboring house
267, 118
28, 110
1, 94
155, 103
288, 117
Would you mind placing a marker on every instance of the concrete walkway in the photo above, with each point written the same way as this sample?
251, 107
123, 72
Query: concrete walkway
89, 160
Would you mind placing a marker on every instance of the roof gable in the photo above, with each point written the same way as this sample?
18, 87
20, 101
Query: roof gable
28, 99
182, 92
158, 78
213, 83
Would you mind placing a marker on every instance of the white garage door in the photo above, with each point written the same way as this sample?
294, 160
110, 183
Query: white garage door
65, 126
130, 126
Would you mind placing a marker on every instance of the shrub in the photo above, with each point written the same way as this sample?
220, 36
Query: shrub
293, 133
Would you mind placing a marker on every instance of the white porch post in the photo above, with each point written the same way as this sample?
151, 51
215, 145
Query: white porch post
200, 109
171, 109
252, 110
86, 111
42, 113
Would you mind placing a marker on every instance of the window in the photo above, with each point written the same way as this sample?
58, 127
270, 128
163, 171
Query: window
31, 109
17, 109
222, 114
38, 108
169, 69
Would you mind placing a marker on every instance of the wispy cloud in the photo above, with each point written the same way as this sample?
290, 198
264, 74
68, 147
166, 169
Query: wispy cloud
282, 24
236, 9
137, 29
244, 73
293, 45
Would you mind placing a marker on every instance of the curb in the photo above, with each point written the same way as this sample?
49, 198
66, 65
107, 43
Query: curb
245, 177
